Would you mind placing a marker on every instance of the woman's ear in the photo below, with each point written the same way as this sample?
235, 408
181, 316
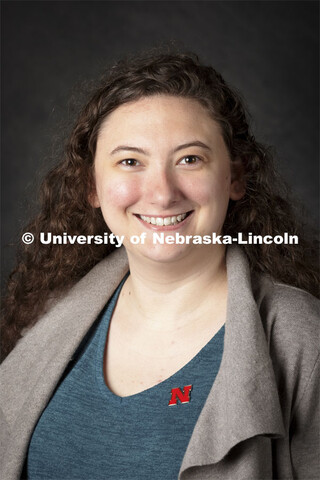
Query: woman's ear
238, 183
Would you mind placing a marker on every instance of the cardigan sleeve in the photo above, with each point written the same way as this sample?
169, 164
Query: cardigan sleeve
305, 431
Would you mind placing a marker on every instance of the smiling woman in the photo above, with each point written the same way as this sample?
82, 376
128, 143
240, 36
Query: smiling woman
172, 359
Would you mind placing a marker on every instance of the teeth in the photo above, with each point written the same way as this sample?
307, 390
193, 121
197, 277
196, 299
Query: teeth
160, 221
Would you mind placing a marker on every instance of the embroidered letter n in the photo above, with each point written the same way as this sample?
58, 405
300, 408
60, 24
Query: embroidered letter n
176, 394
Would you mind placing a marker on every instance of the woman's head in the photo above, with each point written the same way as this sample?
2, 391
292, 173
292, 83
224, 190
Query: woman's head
181, 76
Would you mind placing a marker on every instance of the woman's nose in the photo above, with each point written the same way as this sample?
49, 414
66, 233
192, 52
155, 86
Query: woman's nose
162, 188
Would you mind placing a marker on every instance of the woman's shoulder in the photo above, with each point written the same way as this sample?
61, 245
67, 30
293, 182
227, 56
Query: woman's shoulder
291, 320
286, 305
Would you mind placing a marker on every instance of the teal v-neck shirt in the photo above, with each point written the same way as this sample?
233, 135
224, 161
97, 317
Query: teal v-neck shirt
88, 433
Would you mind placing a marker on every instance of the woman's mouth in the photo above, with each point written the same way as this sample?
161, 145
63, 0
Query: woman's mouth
164, 221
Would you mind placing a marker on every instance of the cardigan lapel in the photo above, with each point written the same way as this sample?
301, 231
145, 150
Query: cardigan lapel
40, 358
243, 401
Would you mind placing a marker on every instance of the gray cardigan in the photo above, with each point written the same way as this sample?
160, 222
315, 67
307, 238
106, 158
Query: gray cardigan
260, 418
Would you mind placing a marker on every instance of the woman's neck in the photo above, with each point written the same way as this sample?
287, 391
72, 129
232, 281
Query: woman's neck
170, 296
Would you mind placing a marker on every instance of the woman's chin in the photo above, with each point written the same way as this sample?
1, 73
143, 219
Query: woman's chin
160, 253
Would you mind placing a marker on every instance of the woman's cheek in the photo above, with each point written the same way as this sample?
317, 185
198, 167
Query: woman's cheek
121, 193
201, 191
116, 197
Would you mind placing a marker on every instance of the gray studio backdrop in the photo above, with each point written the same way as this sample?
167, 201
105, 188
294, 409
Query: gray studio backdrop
267, 49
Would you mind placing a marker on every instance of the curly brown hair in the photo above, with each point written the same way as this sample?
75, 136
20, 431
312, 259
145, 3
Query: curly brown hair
44, 271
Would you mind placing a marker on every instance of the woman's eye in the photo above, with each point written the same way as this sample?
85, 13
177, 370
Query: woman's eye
130, 162
190, 160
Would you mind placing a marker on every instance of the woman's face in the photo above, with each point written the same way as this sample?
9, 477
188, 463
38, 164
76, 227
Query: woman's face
161, 165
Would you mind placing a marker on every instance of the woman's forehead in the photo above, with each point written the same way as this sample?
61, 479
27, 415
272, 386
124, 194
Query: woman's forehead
158, 115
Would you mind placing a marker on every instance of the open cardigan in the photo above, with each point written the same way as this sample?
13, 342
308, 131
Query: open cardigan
261, 418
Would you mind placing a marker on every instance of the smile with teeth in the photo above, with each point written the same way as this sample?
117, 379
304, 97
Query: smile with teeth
172, 220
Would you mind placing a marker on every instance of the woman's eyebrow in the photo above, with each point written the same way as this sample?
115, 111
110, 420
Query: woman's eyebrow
195, 143
130, 149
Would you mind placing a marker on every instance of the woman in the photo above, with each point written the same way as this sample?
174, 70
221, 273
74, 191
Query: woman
167, 359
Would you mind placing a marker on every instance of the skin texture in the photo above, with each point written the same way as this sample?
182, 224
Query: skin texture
176, 294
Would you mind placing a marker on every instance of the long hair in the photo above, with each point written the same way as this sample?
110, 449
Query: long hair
44, 271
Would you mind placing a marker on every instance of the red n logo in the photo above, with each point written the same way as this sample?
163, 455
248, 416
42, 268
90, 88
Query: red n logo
176, 394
